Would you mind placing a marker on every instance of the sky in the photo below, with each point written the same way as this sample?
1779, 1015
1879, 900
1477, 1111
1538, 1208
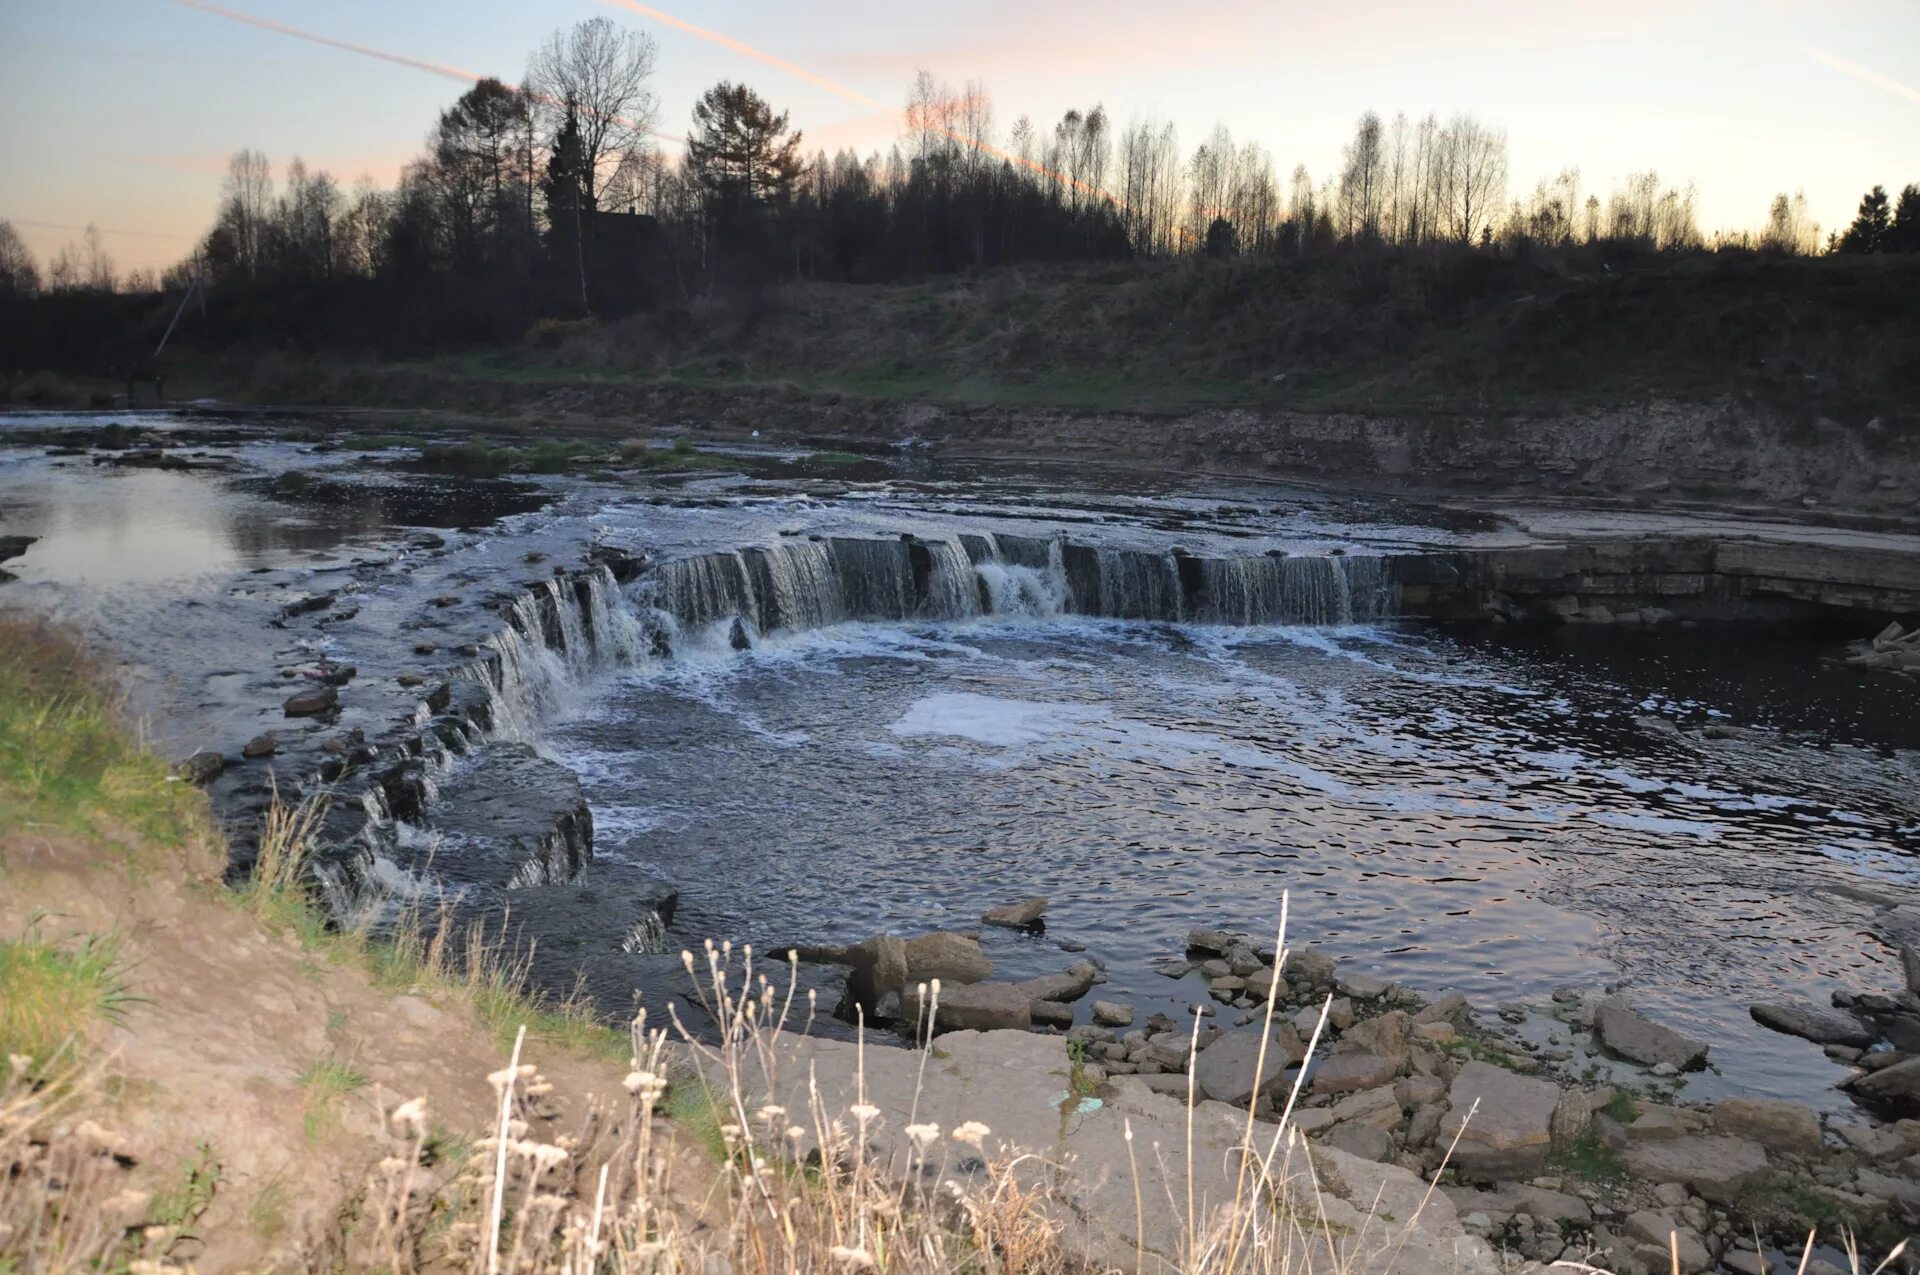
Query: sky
123, 112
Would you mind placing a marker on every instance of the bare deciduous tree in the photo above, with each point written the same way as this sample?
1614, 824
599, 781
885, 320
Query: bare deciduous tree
19, 276
1472, 168
603, 70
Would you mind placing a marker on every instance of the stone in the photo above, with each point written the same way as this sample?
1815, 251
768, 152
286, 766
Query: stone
1625, 1031
1346, 1073
1418, 1091
1503, 1202
1309, 967
1288, 1042
1112, 1014
1910, 966
1670, 1238
200, 767
1451, 1008
1572, 1118
1813, 1022
1213, 942
1895, 1089
1051, 1014
1340, 1013
1775, 1124
1378, 1107
1024, 915
1361, 987
1225, 1070
978, 1007
1385, 1035
1656, 1123
1363, 1140
1436, 1033
1509, 1132
1424, 1125
1712, 1166
264, 745
1876, 1185
876, 967
951, 958
1076, 982
312, 703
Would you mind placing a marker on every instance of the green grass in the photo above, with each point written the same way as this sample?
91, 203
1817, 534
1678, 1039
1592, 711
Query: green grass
381, 442
66, 761
680, 458
1478, 1050
1589, 1159
188, 1193
696, 1112
51, 994
327, 1083
1621, 1108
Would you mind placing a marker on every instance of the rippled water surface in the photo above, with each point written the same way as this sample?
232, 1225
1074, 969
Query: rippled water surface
1450, 811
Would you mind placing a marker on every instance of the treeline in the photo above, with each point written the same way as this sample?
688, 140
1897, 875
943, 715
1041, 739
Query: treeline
553, 198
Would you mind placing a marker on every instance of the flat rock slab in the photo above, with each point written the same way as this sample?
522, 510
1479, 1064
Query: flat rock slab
1631, 1034
1225, 1070
1712, 1166
1349, 1073
1016, 1084
1510, 1132
1894, 1090
1024, 915
1775, 1124
1815, 1023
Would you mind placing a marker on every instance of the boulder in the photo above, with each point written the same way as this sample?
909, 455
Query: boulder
1814, 1022
1051, 1014
1713, 1166
1509, 1132
1361, 987
979, 1007
1363, 1140
1225, 1070
1112, 1014
1777, 1125
1309, 967
264, 745
313, 703
1910, 966
1260, 983
1346, 1073
1024, 915
1076, 982
877, 967
951, 958
200, 767
1626, 1032
1385, 1035
1656, 1123
1213, 942
1501, 1203
1894, 1089
1572, 1118
1670, 1238
1451, 1008
1377, 1107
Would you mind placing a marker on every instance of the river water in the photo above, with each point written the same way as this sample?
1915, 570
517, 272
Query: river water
1453, 807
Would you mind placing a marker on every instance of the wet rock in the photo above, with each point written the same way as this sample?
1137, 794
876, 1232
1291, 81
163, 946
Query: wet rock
511, 818
1025, 915
1112, 1014
1626, 1032
1309, 967
308, 605
1777, 1125
411, 680
877, 968
1076, 982
1713, 1166
440, 698
951, 958
1052, 1014
1509, 1132
263, 745
1231, 1069
13, 546
337, 674
1910, 966
1894, 1088
1824, 1026
200, 767
312, 703
1346, 1073
1361, 987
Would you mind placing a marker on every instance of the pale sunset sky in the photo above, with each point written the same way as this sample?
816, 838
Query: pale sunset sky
123, 112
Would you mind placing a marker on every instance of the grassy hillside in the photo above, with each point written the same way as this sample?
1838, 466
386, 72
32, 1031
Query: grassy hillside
1836, 336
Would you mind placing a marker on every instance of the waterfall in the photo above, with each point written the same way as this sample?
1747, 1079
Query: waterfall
1135, 585
953, 583
648, 935
573, 637
616, 633
798, 586
1292, 590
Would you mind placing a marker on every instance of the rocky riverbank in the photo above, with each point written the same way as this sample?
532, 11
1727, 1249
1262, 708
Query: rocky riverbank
1534, 1157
